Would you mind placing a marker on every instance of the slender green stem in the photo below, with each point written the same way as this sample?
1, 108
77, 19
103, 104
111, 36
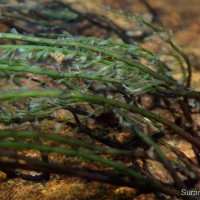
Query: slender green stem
178, 50
30, 93
83, 154
80, 97
67, 140
58, 75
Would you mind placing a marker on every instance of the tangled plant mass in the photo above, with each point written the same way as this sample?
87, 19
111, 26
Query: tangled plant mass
100, 84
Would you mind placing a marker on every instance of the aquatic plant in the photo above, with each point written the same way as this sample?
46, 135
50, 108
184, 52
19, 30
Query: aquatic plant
101, 84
